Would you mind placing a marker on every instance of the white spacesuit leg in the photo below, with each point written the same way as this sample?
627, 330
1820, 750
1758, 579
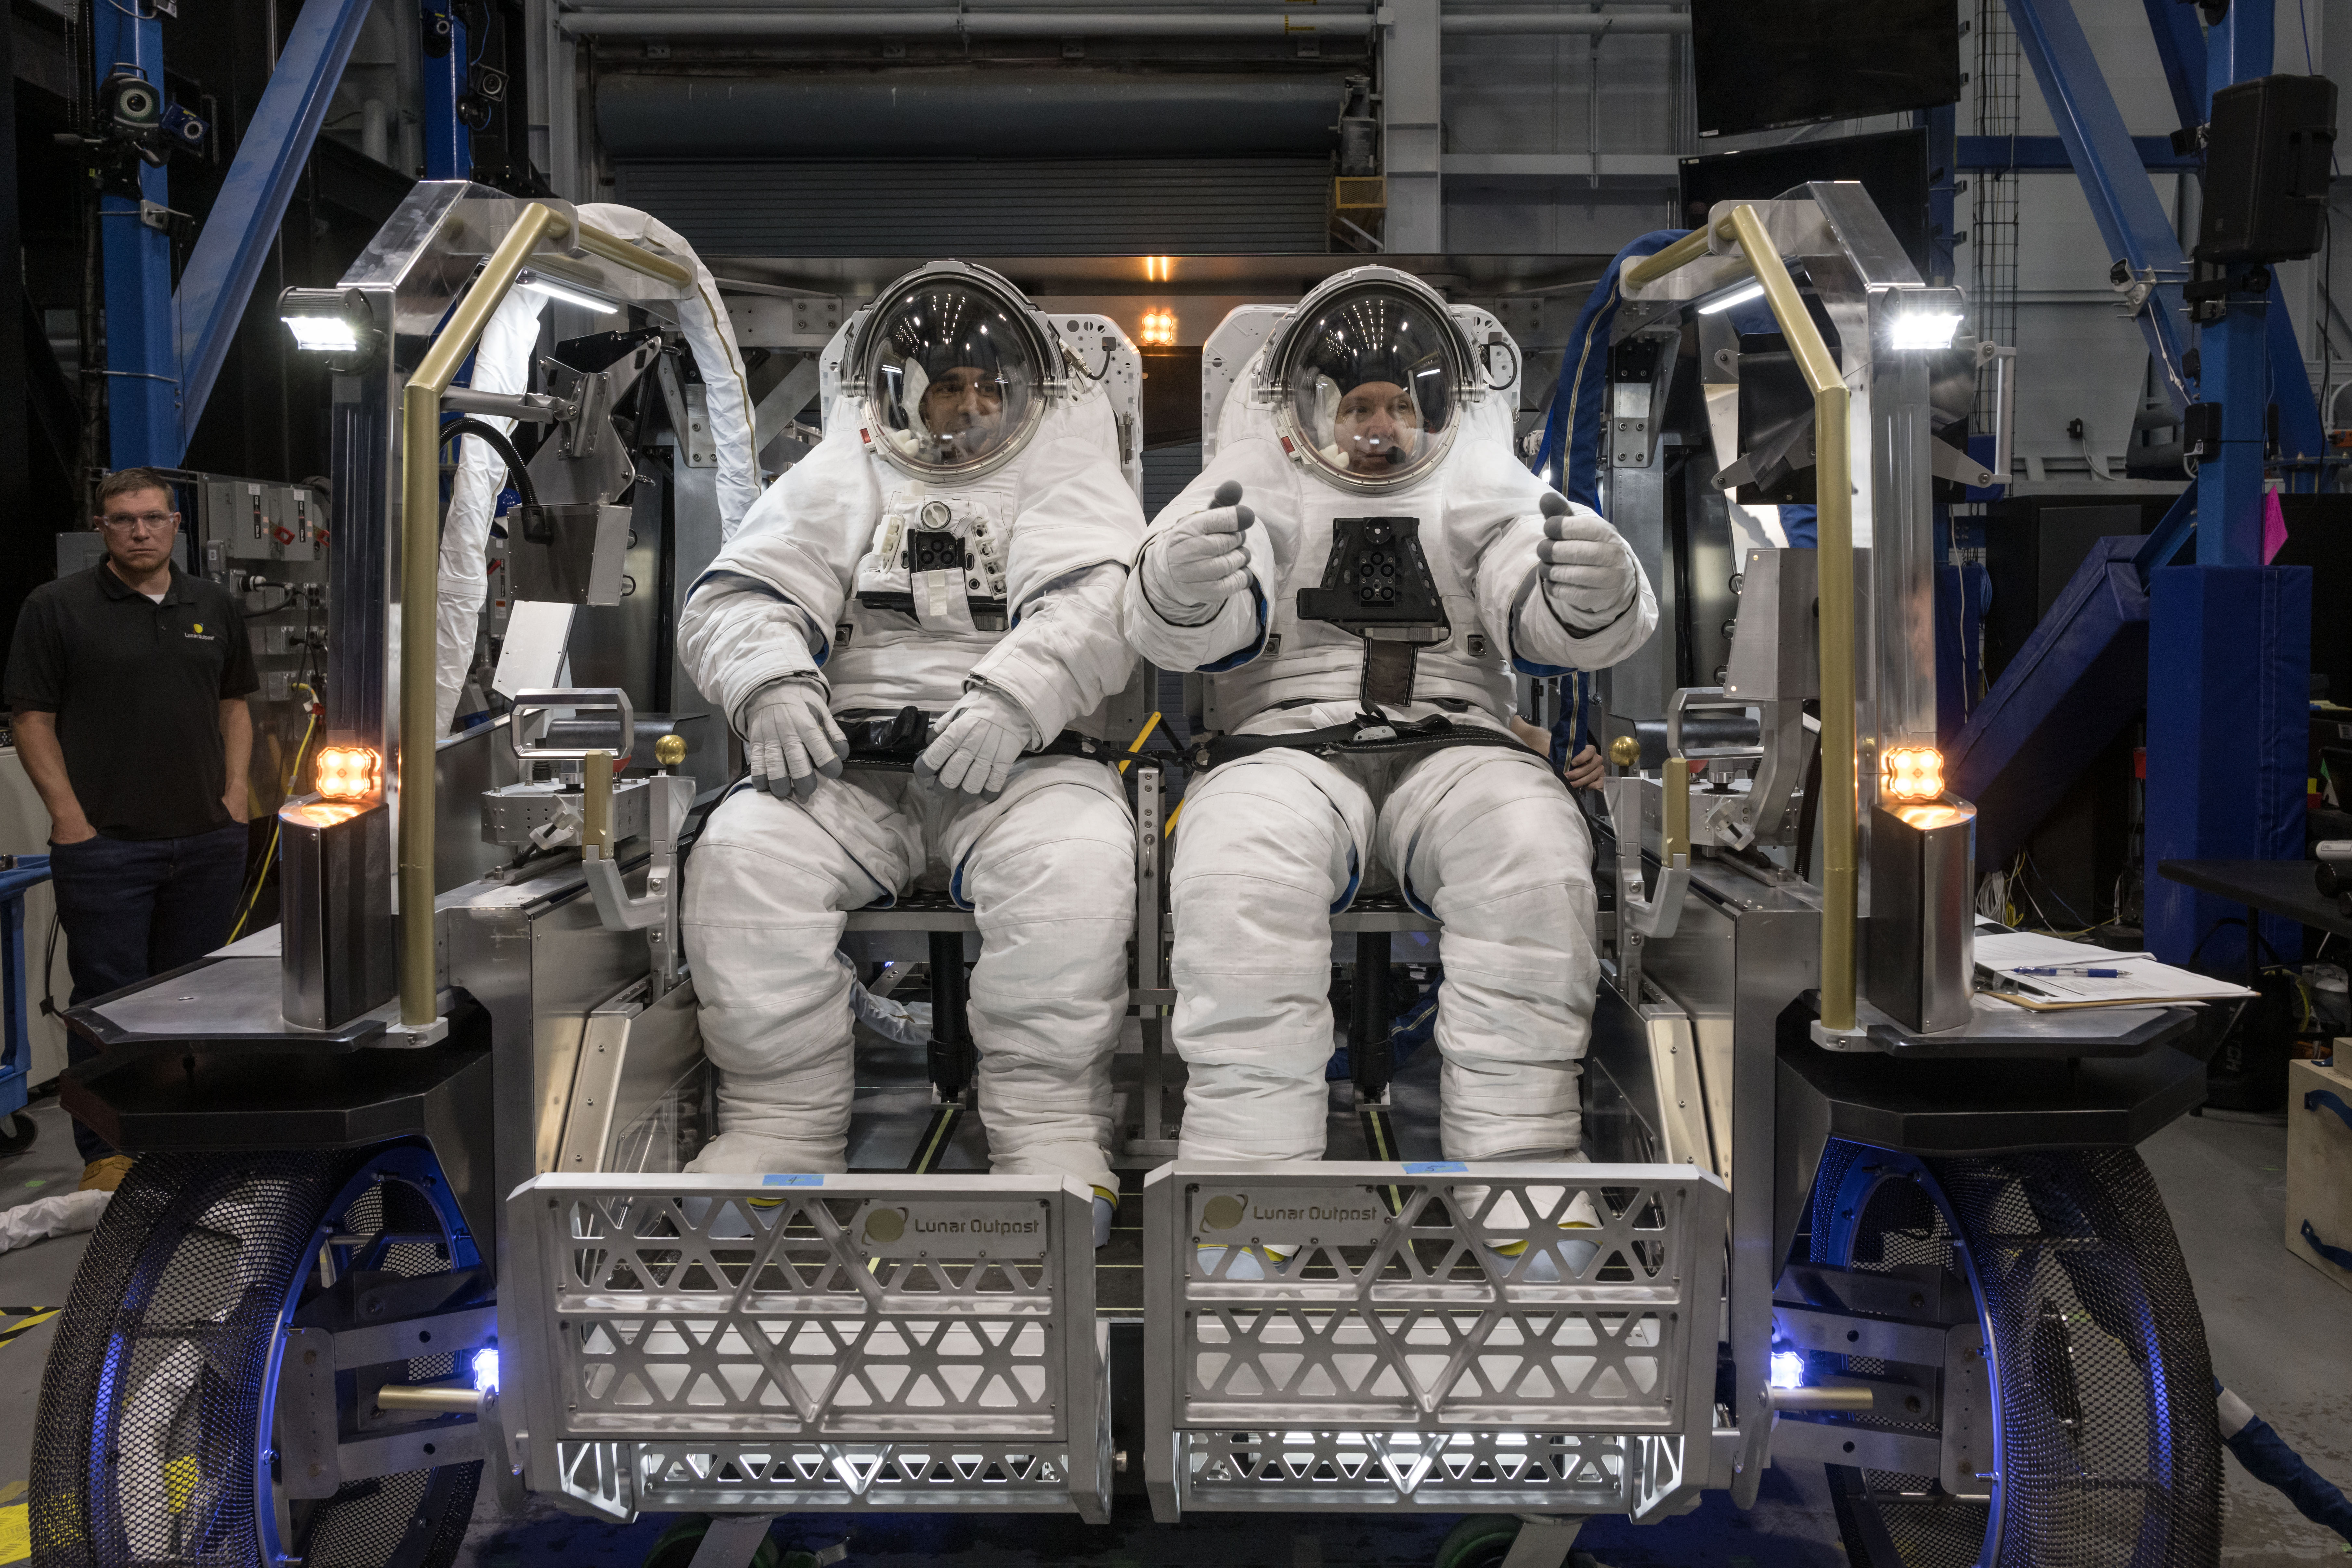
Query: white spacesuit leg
1264, 850
767, 890
1489, 840
1052, 884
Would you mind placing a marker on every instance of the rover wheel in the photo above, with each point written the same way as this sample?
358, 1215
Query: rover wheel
677, 1546
155, 1442
2104, 1445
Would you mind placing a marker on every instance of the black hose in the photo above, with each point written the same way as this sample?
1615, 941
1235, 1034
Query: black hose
502, 446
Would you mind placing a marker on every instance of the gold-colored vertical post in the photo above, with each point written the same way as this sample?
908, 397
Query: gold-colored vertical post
1833, 498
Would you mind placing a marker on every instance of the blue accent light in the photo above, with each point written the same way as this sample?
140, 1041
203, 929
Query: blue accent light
1788, 1369
485, 1369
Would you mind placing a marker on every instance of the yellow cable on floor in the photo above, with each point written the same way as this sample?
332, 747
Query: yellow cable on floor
293, 771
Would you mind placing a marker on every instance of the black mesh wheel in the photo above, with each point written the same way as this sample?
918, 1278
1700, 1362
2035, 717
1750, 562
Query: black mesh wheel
2106, 1449
153, 1447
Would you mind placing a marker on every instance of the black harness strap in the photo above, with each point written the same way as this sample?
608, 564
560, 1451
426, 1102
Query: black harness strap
1367, 734
890, 742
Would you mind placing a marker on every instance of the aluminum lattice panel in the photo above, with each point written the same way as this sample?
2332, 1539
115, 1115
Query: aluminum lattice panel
801, 1343
1506, 1336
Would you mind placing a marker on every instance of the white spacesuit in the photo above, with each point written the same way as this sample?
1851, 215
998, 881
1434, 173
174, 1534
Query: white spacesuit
1361, 567
956, 545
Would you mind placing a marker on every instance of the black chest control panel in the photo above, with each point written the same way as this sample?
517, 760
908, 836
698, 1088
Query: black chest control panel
1375, 577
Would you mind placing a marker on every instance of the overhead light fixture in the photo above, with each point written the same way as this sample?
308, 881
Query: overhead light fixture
1739, 295
329, 321
565, 293
1923, 329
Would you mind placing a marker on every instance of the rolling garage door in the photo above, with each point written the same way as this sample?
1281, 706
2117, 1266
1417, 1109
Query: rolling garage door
1041, 208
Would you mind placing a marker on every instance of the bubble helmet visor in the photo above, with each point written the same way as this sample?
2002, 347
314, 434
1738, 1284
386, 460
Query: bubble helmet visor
957, 371
1367, 378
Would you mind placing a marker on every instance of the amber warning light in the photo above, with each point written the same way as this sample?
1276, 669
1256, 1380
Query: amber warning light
349, 773
1912, 773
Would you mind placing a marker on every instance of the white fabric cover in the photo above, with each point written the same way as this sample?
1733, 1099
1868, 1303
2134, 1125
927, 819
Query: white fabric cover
502, 363
1048, 869
67, 1213
1484, 837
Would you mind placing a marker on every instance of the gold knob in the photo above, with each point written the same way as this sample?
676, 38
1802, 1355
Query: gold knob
670, 751
1625, 750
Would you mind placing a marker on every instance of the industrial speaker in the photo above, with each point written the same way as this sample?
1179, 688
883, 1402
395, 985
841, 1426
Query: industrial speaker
2266, 165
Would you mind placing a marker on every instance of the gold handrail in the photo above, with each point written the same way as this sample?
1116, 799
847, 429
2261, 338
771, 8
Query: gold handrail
1834, 500
1681, 253
420, 551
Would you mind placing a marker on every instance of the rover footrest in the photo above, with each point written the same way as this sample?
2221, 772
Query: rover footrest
746, 1343
1451, 1338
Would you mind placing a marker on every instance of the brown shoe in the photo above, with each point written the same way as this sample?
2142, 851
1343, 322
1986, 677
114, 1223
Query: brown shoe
104, 1175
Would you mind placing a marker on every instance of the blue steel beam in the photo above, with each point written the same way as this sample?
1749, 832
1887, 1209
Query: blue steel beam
217, 282
449, 146
2235, 351
2133, 224
143, 371
2180, 45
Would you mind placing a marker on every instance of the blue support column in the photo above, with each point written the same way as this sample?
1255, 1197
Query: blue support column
2180, 45
1942, 125
2136, 228
218, 279
2228, 684
142, 367
449, 146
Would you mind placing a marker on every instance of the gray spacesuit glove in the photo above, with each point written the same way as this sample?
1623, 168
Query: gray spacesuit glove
979, 741
788, 738
1590, 578
1198, 562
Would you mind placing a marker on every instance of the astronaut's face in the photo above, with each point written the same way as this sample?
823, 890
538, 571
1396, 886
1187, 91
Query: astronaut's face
1377, 429
964, 408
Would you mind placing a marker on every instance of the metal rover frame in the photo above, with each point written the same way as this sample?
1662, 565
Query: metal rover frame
682, 1342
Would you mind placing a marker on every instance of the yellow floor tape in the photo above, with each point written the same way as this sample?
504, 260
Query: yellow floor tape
15, 1535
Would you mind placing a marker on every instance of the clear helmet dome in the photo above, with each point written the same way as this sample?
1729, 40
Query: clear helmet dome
954, 370
1369, 374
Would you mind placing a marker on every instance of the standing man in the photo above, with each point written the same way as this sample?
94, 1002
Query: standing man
129, 683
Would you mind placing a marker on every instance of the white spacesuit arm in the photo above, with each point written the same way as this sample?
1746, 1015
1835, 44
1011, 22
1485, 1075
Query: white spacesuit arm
1228, 640
1066, 655
737, 635
1236, 633
1520, 614
765, 608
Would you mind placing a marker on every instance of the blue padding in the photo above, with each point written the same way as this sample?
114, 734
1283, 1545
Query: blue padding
2077, 681
1579, 403
1802, 526
2229, 694
2268, 1459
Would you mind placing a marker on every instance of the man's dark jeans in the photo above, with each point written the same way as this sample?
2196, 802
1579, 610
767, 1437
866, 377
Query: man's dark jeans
131, 907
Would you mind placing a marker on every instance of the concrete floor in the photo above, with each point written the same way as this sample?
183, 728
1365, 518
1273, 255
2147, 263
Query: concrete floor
2281, 1335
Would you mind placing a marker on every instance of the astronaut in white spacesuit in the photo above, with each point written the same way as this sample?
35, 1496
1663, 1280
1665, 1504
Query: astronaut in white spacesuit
1361, 568
906, 631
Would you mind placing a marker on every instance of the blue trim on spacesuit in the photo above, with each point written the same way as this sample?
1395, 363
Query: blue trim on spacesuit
1355, 880
1235, 660
808, 622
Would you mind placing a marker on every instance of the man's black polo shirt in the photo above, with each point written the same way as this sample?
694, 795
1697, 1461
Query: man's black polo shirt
137, 687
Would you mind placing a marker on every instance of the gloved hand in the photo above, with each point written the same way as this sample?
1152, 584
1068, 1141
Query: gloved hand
1199, 561
979, 740
788, 738
1589, 577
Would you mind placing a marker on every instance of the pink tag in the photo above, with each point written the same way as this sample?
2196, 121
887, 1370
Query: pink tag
2273, 526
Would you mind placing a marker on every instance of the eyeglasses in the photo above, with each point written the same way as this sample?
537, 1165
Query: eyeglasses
141, 522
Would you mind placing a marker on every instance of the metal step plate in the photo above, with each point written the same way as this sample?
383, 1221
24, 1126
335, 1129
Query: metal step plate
740, 1343
1523, 1338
